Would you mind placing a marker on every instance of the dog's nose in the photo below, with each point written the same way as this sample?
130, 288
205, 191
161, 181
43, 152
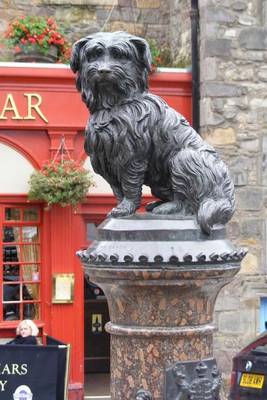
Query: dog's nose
104, 70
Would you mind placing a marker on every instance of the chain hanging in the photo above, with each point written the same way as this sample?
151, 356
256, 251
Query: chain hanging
62, 151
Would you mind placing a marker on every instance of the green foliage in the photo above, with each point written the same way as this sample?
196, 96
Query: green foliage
155, 52
162, 57
63, 182
37, 32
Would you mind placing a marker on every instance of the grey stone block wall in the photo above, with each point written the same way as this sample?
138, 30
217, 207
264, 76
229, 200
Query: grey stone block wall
147, 18
165, 21
233, 54
180, 29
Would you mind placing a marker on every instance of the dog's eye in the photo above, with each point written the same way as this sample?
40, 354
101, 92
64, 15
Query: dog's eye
117, 54
95, 53
99, 52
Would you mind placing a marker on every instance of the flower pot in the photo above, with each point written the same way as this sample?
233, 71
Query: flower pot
33, 54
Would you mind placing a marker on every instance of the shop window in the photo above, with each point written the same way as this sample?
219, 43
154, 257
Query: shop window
20, 263
263, 314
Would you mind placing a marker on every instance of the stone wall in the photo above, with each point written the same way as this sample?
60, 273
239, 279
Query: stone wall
180, 30
233, 52
147, 18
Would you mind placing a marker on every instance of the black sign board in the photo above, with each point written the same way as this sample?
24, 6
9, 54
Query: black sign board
32, 372
63, 365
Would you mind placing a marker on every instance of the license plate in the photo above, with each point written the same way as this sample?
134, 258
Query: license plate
252, 381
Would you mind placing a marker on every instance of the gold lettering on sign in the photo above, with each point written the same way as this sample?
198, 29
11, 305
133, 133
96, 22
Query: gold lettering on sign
10, 105
34, 106
34, 101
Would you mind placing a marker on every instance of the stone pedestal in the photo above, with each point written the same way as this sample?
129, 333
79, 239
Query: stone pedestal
161, 278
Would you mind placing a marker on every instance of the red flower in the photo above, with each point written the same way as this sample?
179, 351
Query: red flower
50, 21
24, 31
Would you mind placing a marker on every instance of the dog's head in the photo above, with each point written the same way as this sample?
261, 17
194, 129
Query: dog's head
111, 68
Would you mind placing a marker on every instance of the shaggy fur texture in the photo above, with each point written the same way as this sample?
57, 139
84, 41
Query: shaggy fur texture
133, 137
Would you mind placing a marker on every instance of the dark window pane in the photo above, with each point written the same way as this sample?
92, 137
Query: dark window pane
30, 214
12, 214
11, 273
10, 253
11, 312
31, 311
11, 234
11, 292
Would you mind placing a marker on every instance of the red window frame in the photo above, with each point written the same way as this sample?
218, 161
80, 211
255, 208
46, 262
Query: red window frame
22, 282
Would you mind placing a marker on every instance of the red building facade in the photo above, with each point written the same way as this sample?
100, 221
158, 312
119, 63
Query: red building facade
38, 105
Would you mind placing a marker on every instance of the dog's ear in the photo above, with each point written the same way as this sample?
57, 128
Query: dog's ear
143, 49
75, 56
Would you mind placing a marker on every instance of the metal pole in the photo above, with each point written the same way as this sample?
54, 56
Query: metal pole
195, 64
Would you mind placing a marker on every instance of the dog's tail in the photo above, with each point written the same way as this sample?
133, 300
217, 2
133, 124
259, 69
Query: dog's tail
212, 212
204, 180
217, 206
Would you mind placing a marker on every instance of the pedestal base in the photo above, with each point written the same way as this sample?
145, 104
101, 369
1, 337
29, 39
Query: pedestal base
161, 278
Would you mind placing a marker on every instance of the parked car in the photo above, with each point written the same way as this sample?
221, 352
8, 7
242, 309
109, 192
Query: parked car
249, 373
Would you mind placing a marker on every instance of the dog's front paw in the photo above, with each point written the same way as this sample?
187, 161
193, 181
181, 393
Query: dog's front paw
125, 208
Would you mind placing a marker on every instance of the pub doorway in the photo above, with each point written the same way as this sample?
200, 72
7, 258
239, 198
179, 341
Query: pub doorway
96, 339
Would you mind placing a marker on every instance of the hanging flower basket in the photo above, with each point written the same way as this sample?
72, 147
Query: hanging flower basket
63, 182
32, 53
37, 39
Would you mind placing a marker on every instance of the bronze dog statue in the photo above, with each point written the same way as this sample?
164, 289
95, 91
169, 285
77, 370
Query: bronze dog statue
133, 137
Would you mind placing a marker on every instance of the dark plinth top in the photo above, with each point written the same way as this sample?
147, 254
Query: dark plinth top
148, 227
144, 239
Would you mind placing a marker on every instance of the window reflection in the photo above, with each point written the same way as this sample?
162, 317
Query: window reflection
30, 234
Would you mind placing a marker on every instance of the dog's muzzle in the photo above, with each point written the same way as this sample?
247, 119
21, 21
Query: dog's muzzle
104, 72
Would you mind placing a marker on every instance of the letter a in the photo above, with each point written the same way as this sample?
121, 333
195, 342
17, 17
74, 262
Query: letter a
10, 105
